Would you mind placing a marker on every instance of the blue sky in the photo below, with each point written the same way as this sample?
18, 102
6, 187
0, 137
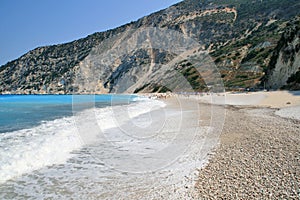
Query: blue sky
27, 24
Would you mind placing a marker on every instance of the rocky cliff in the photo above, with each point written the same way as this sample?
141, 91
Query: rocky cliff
284, 67
193, 45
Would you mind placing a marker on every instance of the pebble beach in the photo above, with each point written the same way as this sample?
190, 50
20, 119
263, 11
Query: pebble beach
259, 151
258, 158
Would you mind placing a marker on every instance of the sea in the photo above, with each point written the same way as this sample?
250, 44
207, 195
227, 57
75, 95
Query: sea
46, 142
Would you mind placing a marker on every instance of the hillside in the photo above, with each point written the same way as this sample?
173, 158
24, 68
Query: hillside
251, 43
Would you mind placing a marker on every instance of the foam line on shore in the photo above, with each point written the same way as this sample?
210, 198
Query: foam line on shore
53, 141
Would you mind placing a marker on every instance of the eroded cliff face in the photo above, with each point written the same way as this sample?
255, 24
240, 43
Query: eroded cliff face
185, 47
285, 62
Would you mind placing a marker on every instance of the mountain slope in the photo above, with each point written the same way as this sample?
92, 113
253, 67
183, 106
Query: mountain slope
241, 37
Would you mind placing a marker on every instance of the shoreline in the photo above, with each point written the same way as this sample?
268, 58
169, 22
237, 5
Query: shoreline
176, 163
254, 155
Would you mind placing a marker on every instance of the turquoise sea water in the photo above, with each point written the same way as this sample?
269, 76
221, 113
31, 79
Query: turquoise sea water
42, 130
25, 111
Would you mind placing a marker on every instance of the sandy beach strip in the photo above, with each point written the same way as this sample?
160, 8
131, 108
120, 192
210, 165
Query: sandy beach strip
281, 99
274, 99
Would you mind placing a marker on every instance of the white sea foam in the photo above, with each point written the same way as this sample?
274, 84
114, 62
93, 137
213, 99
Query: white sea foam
53, 141
164, 156
26, 150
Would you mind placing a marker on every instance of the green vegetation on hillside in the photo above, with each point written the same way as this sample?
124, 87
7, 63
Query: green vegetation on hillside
245, 49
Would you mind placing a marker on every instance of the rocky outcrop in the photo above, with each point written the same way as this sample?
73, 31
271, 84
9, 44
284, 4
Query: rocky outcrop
285, 62
186, 47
